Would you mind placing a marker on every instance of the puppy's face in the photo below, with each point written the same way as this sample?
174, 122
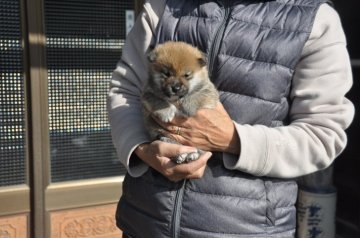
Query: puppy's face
176, 69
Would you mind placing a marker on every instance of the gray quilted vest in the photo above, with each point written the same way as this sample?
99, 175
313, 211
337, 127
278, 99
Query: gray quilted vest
252, 48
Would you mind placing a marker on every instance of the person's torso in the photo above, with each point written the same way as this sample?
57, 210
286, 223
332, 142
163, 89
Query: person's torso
252, 49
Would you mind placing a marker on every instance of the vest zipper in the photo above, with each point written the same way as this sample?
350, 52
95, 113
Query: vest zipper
177, 209
215, 45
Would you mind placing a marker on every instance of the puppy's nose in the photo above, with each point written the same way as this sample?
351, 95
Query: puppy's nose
176, 87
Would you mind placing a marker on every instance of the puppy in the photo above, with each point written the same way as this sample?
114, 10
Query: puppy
178, 85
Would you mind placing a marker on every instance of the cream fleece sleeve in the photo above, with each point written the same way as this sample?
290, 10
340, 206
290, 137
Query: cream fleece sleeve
124, 108
319, 111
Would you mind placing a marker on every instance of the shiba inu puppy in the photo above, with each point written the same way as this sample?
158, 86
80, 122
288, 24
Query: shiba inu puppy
178, 85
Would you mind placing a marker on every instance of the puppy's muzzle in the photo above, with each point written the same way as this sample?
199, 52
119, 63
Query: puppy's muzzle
175, 87
175, 90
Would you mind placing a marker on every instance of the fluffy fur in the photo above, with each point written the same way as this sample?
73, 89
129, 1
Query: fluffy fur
178, 85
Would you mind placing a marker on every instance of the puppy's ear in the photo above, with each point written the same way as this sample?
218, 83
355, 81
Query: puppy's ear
152, 56
202, 61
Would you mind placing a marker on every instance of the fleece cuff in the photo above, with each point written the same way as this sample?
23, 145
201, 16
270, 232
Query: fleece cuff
254, 148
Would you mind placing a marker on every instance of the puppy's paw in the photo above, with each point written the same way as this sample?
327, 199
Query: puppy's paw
187, 157
166, 114
179, 159
192, 156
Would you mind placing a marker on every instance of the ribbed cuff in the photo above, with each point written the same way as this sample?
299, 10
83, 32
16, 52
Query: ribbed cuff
134, 165
253, 151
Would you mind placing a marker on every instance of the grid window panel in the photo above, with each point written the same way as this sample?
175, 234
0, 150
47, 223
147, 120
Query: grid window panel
84, 43
12, 109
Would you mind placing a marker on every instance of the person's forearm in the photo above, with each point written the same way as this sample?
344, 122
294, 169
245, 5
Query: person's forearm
319, 111
319, 116
124, 108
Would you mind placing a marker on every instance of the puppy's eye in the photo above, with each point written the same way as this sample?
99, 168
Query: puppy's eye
188, 74
166, 74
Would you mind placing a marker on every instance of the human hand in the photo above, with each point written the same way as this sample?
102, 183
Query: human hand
158, 155
209, 130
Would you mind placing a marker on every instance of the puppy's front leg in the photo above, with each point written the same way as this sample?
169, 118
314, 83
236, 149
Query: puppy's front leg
158, 107
191, 104
166, 114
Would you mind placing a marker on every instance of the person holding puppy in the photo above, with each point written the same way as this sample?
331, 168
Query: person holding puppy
282, 71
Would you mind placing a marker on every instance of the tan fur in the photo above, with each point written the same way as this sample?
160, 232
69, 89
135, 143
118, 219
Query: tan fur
178, 85
179, 55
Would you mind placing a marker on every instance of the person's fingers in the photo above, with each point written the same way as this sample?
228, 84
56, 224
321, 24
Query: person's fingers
197, 174
173, 171
189, 168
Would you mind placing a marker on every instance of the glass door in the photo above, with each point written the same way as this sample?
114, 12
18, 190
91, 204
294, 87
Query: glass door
59, 175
